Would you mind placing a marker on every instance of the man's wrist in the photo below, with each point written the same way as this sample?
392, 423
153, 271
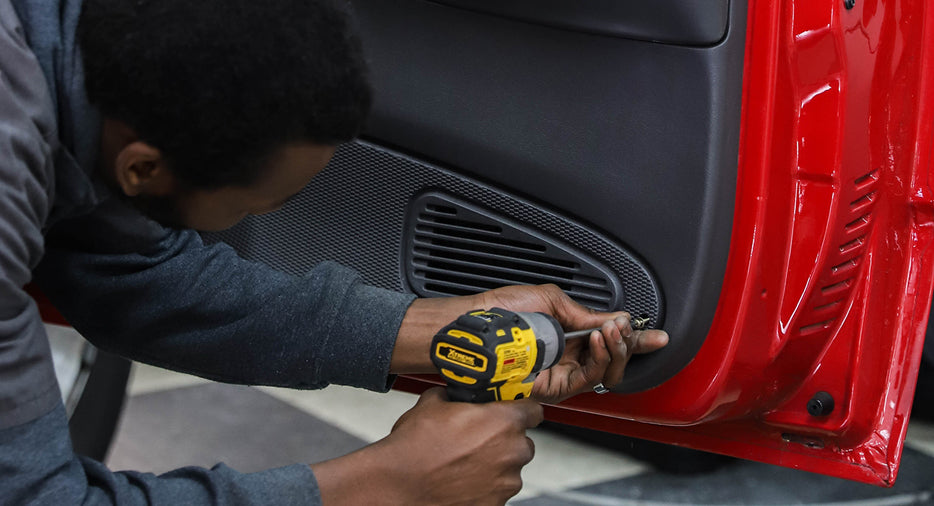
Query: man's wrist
422, 320
366, 476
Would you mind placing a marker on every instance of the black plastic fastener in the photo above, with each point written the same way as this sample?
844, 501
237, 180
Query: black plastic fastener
821, 404
849, 4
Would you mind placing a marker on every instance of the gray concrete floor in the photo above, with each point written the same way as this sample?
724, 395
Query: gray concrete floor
173, 420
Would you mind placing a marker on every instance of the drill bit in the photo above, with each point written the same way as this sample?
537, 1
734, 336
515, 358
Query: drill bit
638, 323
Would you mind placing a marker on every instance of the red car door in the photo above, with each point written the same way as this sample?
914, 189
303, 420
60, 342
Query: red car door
754, 176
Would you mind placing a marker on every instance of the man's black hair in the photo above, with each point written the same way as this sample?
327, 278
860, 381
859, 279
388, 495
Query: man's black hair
219, 85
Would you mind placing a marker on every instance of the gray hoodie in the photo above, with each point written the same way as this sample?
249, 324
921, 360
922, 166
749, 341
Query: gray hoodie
153, 294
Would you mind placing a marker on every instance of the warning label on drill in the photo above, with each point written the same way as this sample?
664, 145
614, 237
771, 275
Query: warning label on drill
514, 359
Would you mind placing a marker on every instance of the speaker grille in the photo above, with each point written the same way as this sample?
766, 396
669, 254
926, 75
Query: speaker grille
356, 213
457, 248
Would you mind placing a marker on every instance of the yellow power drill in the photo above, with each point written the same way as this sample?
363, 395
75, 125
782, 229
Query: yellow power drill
496, 355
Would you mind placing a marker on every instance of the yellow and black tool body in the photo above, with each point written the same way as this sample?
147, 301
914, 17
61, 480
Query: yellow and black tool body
496, 355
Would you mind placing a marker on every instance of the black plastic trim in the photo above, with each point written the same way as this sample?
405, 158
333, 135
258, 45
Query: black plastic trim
636, 139
683, 22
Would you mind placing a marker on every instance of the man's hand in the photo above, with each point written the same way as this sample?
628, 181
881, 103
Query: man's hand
599, 358
439, 453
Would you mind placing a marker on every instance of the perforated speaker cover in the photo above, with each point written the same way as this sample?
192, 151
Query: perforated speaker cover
453, 247
355, 213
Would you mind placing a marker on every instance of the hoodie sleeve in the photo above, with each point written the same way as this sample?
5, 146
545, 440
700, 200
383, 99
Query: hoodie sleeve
38, 466
163, 297
27, 145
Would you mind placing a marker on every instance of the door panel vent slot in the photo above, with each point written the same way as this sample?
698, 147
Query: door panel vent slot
454, 247
842, 267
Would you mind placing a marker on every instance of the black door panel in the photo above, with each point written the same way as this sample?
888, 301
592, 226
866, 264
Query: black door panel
627, 141
688, 22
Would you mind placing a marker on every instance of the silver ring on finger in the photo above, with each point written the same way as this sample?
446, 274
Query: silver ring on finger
600, 388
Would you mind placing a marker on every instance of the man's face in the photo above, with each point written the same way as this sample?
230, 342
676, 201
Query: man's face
287, 172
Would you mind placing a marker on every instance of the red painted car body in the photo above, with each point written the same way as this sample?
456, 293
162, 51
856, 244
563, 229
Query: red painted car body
828, 283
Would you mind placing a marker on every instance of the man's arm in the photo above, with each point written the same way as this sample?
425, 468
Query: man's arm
163, 297
27, 380
453, 447
438, 451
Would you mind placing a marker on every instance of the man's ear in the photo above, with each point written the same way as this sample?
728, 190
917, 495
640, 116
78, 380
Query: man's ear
140, 169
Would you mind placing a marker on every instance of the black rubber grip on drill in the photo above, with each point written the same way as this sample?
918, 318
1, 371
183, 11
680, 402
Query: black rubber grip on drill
469, 322
540, 354
465, 395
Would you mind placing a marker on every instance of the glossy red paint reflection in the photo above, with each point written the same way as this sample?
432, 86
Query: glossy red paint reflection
829, 279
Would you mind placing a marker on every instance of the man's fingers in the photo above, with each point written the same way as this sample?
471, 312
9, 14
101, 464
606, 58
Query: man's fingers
528, 413
428, 397
617, 337
594, 367
531, 445
647, 341
534, 413
573, 315
622, 342
597, 319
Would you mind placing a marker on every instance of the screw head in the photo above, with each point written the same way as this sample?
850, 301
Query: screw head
849, 4
821, 404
